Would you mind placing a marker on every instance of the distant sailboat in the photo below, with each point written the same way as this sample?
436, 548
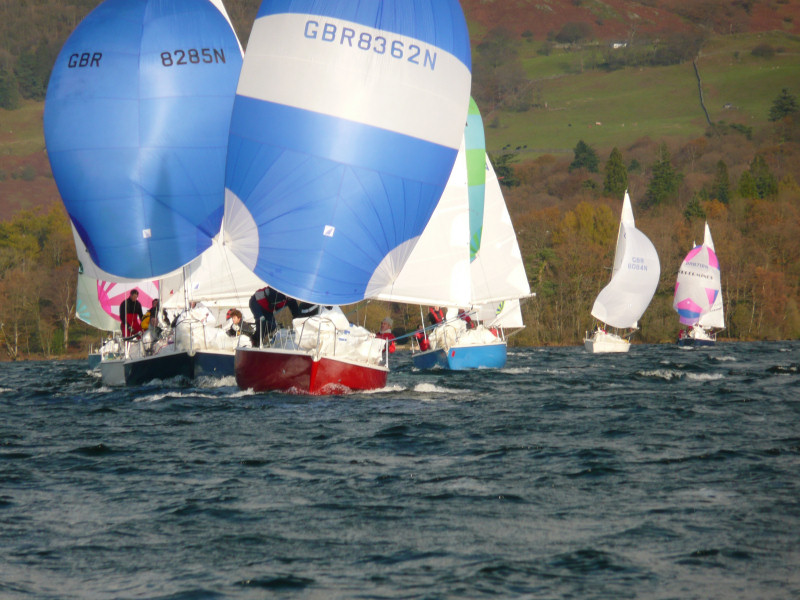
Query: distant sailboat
467, 257
136, 125
698, 295
346, 124
634, 280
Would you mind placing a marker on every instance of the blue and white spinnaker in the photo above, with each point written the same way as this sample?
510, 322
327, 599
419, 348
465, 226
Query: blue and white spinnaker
347, 121
136, 126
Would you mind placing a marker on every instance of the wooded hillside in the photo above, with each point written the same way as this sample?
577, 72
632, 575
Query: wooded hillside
596, 97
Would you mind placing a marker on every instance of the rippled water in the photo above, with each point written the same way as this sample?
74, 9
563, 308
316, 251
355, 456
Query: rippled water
664, 473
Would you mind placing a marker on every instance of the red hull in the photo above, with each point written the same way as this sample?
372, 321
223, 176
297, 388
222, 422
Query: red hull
263, 370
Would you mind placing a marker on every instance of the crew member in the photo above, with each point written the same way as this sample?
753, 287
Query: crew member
131, 314
264, 304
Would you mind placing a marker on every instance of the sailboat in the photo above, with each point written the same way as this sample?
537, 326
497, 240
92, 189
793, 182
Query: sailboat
468, 258
698, 295
345, 127
634, 279
136, 123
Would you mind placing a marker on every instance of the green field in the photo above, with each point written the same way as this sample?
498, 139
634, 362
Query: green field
607, 109
21, 130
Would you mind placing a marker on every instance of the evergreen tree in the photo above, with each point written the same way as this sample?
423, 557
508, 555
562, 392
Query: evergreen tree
721, 188
747, 186
32, 78
585, 158
765, 183
665, 181
504, 170
9, 94
785, 104
616, 181
694, 209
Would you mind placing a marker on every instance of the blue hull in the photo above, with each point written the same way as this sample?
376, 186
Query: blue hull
213, 364
94, 360
167, 366
695, 343
461, 358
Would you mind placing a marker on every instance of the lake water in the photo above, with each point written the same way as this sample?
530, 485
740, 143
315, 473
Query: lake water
664, 473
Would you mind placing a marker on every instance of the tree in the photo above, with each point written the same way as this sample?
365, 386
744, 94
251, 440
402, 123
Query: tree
665, 181
574, 32
694, 209
766, 184
747, 186
499, 79
721, 188
785, 104
585, 158
616, 181
504, 170
9, 93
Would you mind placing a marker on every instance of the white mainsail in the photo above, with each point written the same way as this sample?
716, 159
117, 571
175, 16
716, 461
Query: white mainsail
715, 317
437, 271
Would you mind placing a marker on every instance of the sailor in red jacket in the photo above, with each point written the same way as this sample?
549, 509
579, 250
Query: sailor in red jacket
464, 316
386, 334
436, 315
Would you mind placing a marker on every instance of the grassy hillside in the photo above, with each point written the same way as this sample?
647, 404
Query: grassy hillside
658, 102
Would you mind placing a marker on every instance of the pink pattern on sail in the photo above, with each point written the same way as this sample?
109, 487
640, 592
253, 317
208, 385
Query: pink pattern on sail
712, 259
692, 253
112, 294
712, 295
688, 311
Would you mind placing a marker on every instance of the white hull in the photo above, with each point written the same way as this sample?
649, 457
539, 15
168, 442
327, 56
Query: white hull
697, 336
603, 342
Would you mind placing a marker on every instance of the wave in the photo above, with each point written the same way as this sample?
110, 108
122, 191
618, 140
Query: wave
672, 374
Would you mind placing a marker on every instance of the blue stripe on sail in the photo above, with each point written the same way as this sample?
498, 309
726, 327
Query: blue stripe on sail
136, 125
378, 191
440, 23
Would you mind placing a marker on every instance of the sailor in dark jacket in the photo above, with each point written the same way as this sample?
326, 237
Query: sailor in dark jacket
131, 314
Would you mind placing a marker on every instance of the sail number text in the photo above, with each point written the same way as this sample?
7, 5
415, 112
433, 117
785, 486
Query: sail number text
367, 42
192, 56
637, 264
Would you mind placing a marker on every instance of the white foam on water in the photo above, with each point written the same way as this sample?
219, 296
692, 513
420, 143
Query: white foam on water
704, 376
389, 389
725, 358
431, 388
209, 381
666, 374
517, 370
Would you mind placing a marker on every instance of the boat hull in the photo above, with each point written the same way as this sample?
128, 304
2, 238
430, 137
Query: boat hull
697, 337
94, 359
602, 343
210, 363
268, 369
136, 371
693, 343
462, 358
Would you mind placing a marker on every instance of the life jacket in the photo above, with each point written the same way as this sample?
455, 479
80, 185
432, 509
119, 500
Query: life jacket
438, 315
270, 300
389, 337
